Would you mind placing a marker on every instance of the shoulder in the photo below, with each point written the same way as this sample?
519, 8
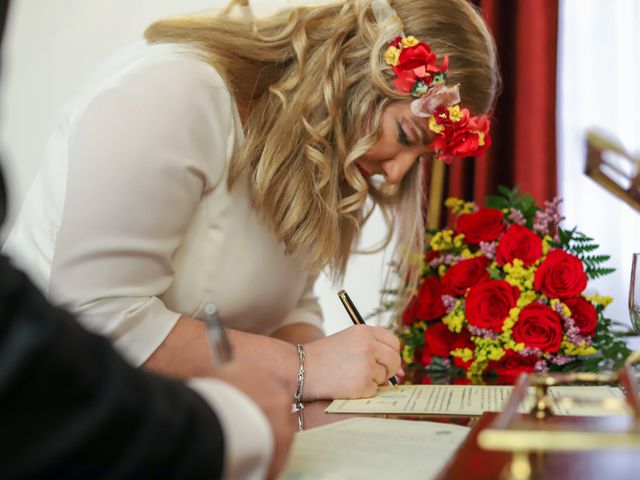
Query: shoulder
165, 80
179, 69
152, 103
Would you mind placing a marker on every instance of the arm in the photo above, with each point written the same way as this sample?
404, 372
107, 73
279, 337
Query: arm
73, 408
304, 323
141, 156
298, 333
349, 364
102, 418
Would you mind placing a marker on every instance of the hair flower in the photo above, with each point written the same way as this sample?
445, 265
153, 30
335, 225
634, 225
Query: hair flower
417, 73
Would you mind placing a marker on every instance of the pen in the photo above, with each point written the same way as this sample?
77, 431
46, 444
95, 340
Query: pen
356, 318
220, 345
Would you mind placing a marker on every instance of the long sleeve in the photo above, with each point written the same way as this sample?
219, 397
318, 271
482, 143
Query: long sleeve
142, 154
248, 438
71, 407
307, 310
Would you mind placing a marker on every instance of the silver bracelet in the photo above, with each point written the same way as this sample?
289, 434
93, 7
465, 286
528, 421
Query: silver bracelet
300, 388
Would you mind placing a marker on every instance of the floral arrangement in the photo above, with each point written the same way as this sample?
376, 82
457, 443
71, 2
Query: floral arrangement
503, 292
417, 73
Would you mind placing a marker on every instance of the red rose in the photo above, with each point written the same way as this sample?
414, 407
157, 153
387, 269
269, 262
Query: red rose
485, 225
561, 275
438, 339
409, 314
426, 356
426, 380
464, 275
584, 315
417, 57
462, 341
413, 64
539, 326
511, 365
488, 304
467, 138
461, 381
519, 242
428, 305
405, 81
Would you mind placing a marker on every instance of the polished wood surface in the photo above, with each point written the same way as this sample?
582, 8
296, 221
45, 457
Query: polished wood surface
471, 461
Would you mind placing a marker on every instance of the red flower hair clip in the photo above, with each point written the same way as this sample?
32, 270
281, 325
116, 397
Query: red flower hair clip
458, 134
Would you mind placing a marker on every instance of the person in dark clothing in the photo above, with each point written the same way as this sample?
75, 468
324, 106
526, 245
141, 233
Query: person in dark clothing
71, 407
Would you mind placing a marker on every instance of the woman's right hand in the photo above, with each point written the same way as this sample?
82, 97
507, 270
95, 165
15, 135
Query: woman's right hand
351, 363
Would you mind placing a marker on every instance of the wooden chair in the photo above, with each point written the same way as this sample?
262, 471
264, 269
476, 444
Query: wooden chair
613, 168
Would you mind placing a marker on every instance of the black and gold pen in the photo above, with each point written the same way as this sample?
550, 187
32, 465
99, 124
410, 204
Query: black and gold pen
356, 318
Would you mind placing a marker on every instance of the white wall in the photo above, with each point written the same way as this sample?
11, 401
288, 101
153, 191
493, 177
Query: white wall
50, 49
599, 73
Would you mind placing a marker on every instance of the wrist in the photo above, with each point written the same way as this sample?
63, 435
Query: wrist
299, 395
313, 383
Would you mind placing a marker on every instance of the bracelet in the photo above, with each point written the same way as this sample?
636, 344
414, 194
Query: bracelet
300, 388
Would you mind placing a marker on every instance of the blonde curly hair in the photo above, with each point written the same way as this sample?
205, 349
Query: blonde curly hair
316, 85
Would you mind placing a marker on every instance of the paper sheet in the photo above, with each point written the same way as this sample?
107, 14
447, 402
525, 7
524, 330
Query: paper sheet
371, 448
476, 399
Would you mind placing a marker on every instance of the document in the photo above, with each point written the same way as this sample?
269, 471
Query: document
373, 448
476, 399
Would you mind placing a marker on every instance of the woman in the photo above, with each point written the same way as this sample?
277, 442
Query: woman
228, 161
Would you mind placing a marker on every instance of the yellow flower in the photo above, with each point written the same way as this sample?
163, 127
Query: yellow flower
578, 350
457, 241
513, 345
420, 326
600, 300
455, 318
466, 253
565, 310
433, 125
546, 245
410, 41
455, 114
463, 353
468, 207
442, 269
457, 205
442, 240
454, 204
495, 353
407, 354
480, 138
476, 369
519, 276
526, 297
488, 349
392, 56
510, 321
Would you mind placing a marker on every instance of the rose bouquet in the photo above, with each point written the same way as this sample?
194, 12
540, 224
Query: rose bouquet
503, 292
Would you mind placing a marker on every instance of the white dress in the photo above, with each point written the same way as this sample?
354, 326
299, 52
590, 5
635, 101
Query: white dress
129, 223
